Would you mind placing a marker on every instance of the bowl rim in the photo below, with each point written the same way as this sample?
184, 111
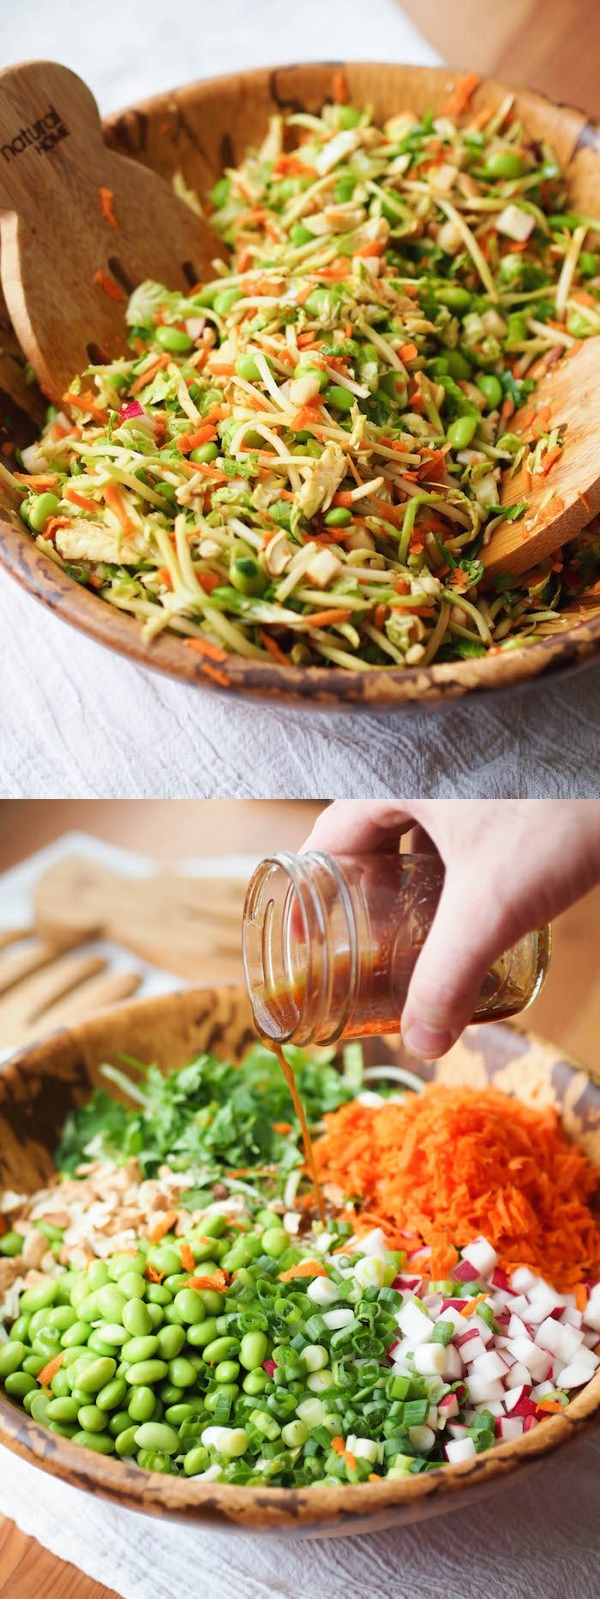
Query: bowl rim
375, 688
318, 1506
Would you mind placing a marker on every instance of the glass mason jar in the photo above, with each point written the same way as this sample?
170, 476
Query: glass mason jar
330, 945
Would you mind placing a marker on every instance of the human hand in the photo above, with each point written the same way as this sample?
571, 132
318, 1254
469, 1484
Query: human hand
510, 866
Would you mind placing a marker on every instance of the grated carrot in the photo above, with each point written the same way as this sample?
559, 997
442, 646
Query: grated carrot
107, 207
461, 96
49, 1371
186, 1257
163, 1226
112, 289
304, 1268
219, 1280
116, 503
451, 1163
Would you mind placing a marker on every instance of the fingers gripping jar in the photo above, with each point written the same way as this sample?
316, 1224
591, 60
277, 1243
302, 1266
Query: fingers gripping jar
330, 945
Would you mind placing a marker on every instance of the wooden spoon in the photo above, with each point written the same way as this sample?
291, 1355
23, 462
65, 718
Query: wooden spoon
561, 503
45, 985
80, 226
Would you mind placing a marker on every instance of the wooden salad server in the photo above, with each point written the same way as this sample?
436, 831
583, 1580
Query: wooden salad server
80, 226
564, 500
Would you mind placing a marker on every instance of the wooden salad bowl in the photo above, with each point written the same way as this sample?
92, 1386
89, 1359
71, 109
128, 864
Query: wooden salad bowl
37, 1089
197, 130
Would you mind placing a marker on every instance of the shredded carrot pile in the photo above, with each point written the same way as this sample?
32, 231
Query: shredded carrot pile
449, 1164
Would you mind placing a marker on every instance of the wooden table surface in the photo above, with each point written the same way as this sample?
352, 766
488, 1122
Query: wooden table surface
568, 1011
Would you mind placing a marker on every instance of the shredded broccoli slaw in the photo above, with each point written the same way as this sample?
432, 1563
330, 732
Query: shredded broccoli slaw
301, 458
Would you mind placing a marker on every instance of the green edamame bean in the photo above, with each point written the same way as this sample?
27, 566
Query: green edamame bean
229, 1390
225, 300
256, 1381
146, 1372
219, 1349
153, 1460
40, 1297
59, 1383
274, 1241
253, 1349
176, 1414
20, 1329
189, 1305
341, 399
111, 1332
46, 1343
62, 1410
212, 1226
62, 1318
133, 1285
97, 1274
491, 387
157, 1316
119, 1422
196, 1460
38, 1406
111, 1394
458, 366
125, 1443
74, 1353
77, 1333
454, 296
19, 1383
157, 1435
110, 1302
247, 576
87, 1308
11, 1244
504, 164
98, 1345
139, 1349
141, 1403
205, 452
100, 1441
95, 1376
206, 1251
12, 1355
338, 517
175, 340
91, 1419
136, 1318
34, 1364
41, 508
246, 367
170, 1340
165, 1259
123, 1264
202, 1333
65, 1429
157, 1294
226, 1371
460, 432
169, 1393
181, 1372
176, 1280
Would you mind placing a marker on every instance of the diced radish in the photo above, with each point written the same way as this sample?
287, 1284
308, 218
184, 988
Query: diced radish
518, 1376
499, 1279
459, 1449
542, 1304
485, 1332
270, 1366
414, 1322
465, 1272
525, 1407
433, 1303
470, 1348
132, 408
490, 1365
529, 1422
480, 1255
495, 1407
537, 1361
432, 1418
194, 325
454, 1366
448, 1406
519, 1305
541, 1390
482, 1390
580, 1370
400, 1352
591, 1340
516, 1327
509, 1427
449, 1313
523, 1279
513, 1399
592, 1310
452, 1304
405, 1283
572, 1318
430, 1360
458, 1429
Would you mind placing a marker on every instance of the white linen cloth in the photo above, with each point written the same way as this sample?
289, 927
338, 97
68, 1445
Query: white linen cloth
538, 1540
78, 721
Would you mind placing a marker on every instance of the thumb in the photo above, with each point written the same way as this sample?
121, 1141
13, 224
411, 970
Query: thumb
469, 931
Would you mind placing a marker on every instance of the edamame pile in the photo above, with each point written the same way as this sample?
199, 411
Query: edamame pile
300, 458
